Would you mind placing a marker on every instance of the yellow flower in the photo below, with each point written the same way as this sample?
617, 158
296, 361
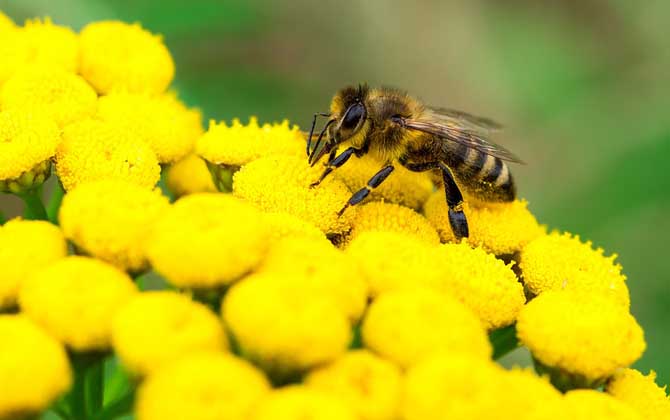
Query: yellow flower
162, 121
60, 95
561, 261
75, 298
92, 150
238, 144
285, 225
316, 266
14, 51
408, 326
34, 369
204, 386
410, 189
588, 404
369, 384
499, 228
520, 394
281, 184
6, 23
117, 55
188, 176
395, 218
27, 140
586, 337
110, 219
156, 328
284, 330
640, 392
25, 247
207, 240
301, 402
51, 46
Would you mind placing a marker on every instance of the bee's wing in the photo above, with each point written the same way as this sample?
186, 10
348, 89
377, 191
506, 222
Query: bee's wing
464, 119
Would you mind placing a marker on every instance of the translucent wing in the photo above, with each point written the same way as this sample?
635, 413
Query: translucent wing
465, 119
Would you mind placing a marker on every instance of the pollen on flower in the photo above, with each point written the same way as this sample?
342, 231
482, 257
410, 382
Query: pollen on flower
587, 336
410, 189
562, 261
369, 384
202, 386
120, 56
110, 220
408, 326
302, 402
640, 392
162, 121
51, 46
282, 329
156, 328
499, 228
188, 176
207, 240
284, 225
384, 216
587, 404
282, 184
34, 368
75, 298
25, 247
92, 150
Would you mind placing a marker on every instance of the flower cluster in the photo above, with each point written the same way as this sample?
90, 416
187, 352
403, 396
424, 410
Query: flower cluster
235, 290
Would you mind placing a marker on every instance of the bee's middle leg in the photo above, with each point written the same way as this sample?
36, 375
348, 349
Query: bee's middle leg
457, 220
334, 162
373, 183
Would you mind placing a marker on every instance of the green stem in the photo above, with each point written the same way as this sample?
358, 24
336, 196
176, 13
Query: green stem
117, 408
86, 396
34, 209
503, 341
95, 387
54, 203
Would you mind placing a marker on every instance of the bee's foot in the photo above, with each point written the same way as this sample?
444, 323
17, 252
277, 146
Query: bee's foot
314, 184
339, 213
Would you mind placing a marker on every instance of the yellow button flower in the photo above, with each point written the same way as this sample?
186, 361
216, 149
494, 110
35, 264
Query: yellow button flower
188, 176
640, 392
51, 46
75, 299
204, 386
499, 228
162, 121
110, 220
285, 225
60, 95
284, 330
520, 394
34, 369
117, 55
380, 215
92, 150
207, 240
281, 184
27, 141
369, 384
156, 328
25, 247
562, 261
15, 52
408, 326
410, 189
587, 404
301, 402
586, 337
6, 23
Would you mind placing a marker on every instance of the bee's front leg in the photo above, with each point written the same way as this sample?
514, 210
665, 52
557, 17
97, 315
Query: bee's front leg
334, 162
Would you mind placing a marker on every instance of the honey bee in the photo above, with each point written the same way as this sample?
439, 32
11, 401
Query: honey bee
395, 128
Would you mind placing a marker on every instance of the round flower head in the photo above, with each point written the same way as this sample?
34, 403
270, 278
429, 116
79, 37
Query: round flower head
285, 225
6, 23
499, 228
410, 189
203, 386
301, 402
162, 121
51, 46
368, 383
640, 392
34, 369
188, 176
25, 247
588, 404
281, 184
316, 266
110, 219
75, 298
92, 150
15, 52
117, 55
283, 329
60, 95
408, 326
238, 144
27, 141
379, 215
583, 337
521, 394
207, 240
561, 261
156, 328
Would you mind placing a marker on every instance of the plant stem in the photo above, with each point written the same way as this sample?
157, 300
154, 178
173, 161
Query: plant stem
86, 396
34, 209
54, 203
504, 341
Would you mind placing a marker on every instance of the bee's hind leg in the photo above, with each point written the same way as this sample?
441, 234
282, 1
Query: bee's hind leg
457, 220
373, 183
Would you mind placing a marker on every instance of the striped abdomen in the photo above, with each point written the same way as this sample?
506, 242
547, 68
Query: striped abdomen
480, 174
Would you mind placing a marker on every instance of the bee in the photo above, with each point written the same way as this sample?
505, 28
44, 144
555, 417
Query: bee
396, 128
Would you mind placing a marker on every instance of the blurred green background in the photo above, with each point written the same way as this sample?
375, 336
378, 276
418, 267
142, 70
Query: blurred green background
583, 87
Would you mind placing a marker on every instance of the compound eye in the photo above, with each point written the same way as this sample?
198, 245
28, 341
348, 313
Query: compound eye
353, 116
